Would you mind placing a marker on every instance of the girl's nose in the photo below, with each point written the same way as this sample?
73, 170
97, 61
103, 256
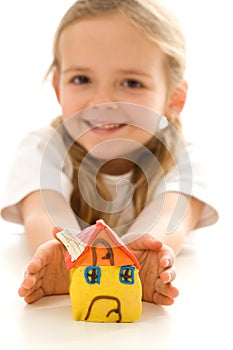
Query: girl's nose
103, 97
107, 105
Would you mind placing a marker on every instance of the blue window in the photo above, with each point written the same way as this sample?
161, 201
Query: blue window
92, 274
127, 274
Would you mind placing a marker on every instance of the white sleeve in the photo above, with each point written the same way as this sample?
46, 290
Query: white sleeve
192, 176
40, 162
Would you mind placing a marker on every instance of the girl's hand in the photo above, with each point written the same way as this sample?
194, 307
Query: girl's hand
46, 274
157, 269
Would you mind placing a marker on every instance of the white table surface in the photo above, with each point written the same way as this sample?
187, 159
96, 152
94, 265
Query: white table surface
201, 317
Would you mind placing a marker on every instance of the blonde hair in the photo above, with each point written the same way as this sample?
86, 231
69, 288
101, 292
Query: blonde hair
161, 26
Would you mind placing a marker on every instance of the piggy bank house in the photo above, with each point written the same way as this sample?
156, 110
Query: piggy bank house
104, 275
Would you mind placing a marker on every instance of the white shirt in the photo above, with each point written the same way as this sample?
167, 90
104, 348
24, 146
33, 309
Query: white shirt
42, 162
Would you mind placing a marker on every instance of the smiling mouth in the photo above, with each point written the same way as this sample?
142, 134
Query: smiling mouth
104, 125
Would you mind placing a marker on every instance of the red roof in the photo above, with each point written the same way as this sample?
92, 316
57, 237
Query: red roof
88, 237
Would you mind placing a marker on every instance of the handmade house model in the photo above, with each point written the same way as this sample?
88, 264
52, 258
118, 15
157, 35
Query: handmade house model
104, 275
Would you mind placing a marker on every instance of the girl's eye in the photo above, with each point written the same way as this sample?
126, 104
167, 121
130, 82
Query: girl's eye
80, 79
132, 83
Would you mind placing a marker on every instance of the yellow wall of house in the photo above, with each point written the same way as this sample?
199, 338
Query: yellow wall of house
82, 295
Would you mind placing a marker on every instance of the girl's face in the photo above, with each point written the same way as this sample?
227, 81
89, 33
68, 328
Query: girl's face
107, 59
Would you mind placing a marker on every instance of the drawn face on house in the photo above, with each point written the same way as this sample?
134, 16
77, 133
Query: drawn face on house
108, 305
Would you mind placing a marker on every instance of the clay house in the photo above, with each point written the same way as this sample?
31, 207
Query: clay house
104, 275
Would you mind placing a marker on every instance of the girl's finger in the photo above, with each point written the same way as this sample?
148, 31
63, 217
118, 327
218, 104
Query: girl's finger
168, 275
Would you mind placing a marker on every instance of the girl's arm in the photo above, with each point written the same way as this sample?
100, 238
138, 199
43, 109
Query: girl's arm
41, 211
168, 217
179, 215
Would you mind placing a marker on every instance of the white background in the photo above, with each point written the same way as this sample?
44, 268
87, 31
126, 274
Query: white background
26, 33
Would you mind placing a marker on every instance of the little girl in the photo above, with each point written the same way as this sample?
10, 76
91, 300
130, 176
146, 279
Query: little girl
116, 152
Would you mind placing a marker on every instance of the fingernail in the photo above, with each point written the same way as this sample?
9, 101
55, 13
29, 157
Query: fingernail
166, 263
169, 277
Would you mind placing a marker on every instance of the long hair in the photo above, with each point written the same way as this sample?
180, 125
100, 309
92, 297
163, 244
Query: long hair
162, 27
